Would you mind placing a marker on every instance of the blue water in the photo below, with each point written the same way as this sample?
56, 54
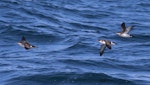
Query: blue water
66, 34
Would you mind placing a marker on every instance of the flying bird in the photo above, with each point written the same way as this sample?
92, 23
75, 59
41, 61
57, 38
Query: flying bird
105, 43
125, 31
25, 44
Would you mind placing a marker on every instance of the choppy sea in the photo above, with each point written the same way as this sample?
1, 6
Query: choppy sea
66, 33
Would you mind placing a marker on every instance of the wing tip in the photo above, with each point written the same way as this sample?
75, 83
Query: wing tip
101, 54
123, 24
23, 38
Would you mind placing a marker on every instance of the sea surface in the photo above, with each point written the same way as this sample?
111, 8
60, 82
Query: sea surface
66, 34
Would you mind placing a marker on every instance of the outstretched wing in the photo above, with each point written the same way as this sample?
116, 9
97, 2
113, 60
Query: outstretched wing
23, 38
123, 27
102, 49
108, 44
128, 29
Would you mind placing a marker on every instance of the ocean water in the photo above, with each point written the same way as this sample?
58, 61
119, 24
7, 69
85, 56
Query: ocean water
66, 33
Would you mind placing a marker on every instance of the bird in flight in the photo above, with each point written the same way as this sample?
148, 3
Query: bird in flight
25, 44
125, 31
105, 43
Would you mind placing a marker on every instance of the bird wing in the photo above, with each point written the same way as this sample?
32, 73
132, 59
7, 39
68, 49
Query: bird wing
23, 39
128, 29
123, 27
108, 44
102, 49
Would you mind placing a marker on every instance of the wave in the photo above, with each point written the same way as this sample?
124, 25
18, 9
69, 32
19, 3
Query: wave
72, 78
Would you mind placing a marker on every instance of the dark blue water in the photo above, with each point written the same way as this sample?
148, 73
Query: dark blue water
66, 33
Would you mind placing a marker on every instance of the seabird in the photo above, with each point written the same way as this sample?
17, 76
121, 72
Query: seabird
125, 31
105, 43
25, 44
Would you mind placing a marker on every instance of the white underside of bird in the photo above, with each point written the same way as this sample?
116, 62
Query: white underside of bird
124, 34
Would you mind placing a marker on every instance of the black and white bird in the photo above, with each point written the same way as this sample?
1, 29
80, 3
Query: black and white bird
105, 43
125, 31
25, 44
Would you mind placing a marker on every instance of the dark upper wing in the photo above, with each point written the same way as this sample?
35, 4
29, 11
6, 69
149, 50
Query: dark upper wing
102, 49
123, 27
128, 29
23, 38
108, 44
24, 42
